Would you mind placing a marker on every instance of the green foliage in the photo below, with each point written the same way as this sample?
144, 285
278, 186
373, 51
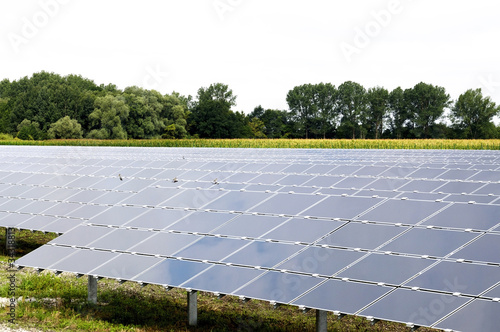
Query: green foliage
109, 113
29, 130
376, 112
65, 128
472, 114
352, 103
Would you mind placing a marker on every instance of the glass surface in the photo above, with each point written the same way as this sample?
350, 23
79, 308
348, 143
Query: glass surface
472, 279
84, 182
111, 198
83, 261
480, 315
427, 173
323, 261
61, 225
61, 209
60, 180
370, 171
45, 256
36, 179
171, 272
303, 230
432, 242
109, 183
156, 218
87, 211
125, 266
121, 239
297, 168
425, 186
117, 215
323, 181
460, 187
457, 174
211, 248
237, 201
222, 279
378, 193
61, 194
475, 216
403, 211
165, 244
399, 172
267, 178
423, 196
484, 249
288, 204
202, 222
192, 198
265, 254
134, 184
152, 196
346, 297
420, 308
14, 205
490, 188
493, 293
345, 170
388, 184
36, 206
352, 182
294, 179
37, 222
242, 177
81, 235
470, 198
389, 269
365, 236
321, 169
85, 196
250, 225
279, 287
341, 207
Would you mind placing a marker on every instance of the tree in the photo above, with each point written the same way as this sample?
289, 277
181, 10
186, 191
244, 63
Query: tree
301, 103
109, 114
378, 106
211, 116
29, 130
426, 104
145, 113
398, 112
352, 103
473, 115
325, 99
65, 128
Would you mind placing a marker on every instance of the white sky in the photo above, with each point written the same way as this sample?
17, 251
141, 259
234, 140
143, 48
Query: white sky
261, 49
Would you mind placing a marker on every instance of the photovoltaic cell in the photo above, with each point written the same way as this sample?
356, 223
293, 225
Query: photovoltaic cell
480, 315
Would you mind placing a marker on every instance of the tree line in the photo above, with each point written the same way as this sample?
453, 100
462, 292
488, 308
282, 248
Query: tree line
47, 105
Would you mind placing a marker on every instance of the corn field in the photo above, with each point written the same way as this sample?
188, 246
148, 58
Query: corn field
280, 143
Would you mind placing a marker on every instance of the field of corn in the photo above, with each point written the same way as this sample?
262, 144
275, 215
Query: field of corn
280, 143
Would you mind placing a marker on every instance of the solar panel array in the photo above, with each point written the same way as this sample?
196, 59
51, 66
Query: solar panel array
401, 235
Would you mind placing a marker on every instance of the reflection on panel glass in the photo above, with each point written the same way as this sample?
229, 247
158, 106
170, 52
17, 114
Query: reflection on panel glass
165, 244
83, 261
211, 248
171, 272
456, 187
279, 287
117, 215
37, 222
403, 211
237, 201
489, 189
420, 308
250, 225
323, 261
484, 249
332, 296
87, 211
427, 173
45, 256
432, 242
425, 186
154, 218
192, 198
303, 230
386, 268
475, 216
480, 315
470, 198
202, 222
365, 236
125, 266
152, 196
81, 235
341, 207
388, 184
472, 279
457, 174
294, 179
121, 239
222, 279
353, 182
288, 204
265, 254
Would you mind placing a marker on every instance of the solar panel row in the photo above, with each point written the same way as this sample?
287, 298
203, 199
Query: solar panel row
311, 228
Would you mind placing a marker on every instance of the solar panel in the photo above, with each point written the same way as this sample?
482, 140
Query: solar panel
401, 235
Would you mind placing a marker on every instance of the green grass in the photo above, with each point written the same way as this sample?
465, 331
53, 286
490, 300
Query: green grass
279, 143
60, 305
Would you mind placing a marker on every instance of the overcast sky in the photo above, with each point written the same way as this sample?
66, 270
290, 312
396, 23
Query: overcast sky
261, 49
